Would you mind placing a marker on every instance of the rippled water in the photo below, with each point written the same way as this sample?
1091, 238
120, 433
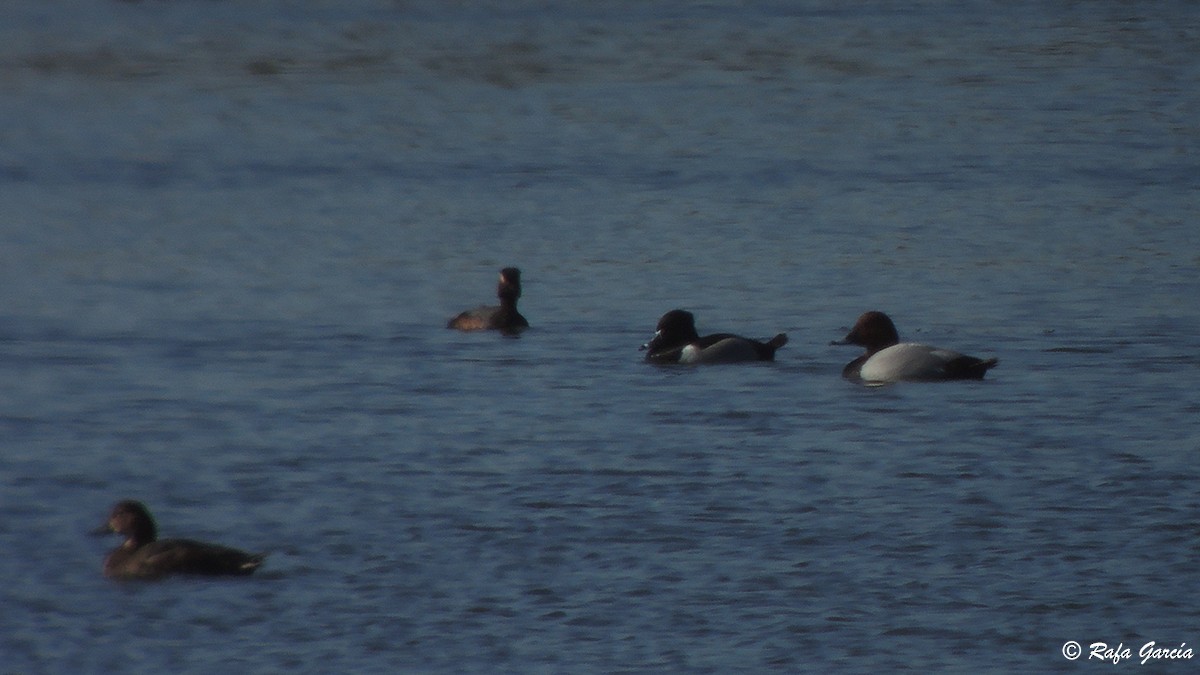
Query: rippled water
232, 234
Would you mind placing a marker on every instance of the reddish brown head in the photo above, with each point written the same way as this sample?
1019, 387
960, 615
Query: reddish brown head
873, 330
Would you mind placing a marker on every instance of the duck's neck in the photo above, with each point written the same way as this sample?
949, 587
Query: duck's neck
873, 349
140, 535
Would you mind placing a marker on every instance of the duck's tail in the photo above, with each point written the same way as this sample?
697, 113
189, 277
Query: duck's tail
252, 563
986, 365
766, 350
970, 367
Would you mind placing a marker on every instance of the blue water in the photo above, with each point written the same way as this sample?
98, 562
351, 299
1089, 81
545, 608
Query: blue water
232, 233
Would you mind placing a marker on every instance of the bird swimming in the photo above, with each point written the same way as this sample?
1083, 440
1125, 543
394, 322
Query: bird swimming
144, 556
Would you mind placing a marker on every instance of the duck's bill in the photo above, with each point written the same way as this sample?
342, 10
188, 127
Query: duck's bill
652, 343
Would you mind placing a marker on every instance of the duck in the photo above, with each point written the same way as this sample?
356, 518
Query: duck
889, 360
505, 317
675, 340
144, 556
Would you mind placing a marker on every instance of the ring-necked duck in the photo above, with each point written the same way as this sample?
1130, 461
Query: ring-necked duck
504, 318
889, 360
676, 341
144, 556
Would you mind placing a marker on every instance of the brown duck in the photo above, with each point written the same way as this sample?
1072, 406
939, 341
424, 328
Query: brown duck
504, 318
144, 556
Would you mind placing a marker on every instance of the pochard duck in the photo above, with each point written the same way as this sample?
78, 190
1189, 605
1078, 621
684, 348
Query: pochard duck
676, 341
889, 360
144, 556
505, 317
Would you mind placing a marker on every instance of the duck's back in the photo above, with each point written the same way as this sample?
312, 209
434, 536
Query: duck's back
728, 348
179, 556
489, 318
474, 319
911, 361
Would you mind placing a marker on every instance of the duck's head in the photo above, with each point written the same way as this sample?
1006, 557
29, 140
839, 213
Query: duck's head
873, 330
675, 328
509, 287
131, 519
